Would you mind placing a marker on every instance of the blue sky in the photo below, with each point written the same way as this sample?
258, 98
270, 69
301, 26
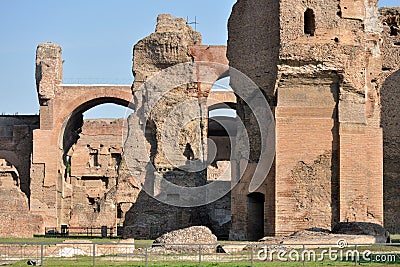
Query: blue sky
96, 36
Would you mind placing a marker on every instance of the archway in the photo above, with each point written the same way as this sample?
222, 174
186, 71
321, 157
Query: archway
91, 142
72, 127
221, 119
255, 213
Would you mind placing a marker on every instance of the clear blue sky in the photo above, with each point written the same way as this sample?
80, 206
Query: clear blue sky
97, 37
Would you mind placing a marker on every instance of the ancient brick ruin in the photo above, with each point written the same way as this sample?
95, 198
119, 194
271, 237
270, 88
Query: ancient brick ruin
330, 73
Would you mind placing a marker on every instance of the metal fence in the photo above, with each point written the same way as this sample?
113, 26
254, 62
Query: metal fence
80, 231
247, 254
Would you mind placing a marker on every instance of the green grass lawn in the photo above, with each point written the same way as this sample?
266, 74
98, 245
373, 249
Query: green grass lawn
395, 238
162, 260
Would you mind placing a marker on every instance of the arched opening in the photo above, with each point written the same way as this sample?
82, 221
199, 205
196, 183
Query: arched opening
92, 147
222, 123
221, 133
255, 215
309, 22
107, 110
222, 84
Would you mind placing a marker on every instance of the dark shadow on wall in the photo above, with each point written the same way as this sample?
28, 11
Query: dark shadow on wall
255, 214
390, 122
253, 49
335, 155
148, 218
17, 148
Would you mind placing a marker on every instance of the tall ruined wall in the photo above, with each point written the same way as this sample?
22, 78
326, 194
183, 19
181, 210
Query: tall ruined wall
390, 102
61, 108
318, 64
16, 145
15, 187
327, 95
45, 198
177, 120
253, 48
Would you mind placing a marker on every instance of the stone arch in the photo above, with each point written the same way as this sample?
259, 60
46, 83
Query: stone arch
70, 117
91, 97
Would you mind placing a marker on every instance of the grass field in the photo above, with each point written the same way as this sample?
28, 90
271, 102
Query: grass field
223, 260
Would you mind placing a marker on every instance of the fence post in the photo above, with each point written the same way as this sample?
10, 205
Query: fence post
94, 255
252, 255
356, 261
41, 254
200, 255
147, 256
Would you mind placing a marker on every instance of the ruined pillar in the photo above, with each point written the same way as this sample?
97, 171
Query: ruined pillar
46, 196
48, 76
317, 64
253, 51
390, 101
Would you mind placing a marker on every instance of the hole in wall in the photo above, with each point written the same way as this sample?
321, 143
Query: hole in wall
393, 31
309, 22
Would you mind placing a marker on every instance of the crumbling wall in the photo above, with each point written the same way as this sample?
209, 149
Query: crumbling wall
97, 189
390, 102
253, 48
16, 145
16, 219
344, 45
318, 65
313, 191
168, 120
15, 183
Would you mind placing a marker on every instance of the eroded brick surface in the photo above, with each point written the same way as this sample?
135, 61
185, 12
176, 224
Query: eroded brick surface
330, 73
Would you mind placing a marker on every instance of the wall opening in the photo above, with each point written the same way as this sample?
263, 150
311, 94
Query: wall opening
222, 123
393, 31
309, 22
119, 211
94, 160
107, 110
9, 176
92, 153
93, 118
255, 215
116, 159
